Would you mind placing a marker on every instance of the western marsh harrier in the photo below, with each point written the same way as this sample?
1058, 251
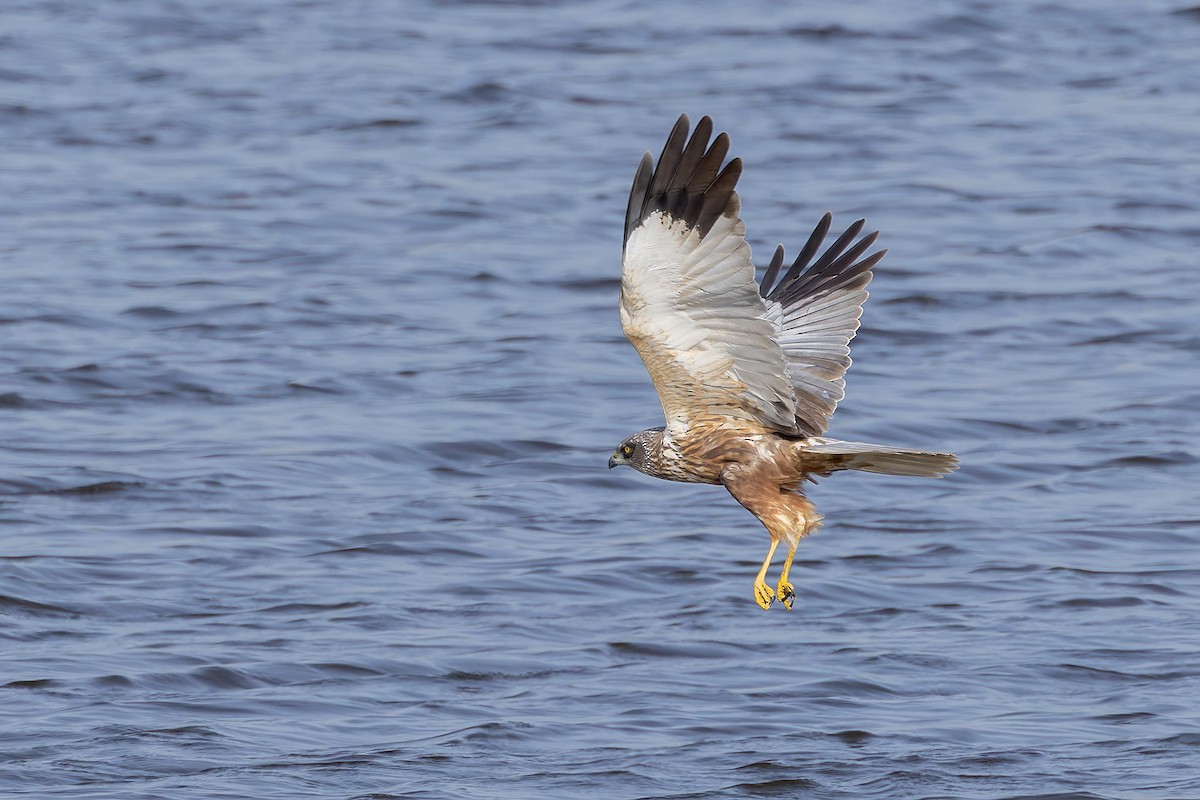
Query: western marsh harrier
748, 375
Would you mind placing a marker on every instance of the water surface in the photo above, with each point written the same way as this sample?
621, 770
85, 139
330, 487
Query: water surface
311, 367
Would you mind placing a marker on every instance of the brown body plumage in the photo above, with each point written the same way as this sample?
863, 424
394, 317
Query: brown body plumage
748, 375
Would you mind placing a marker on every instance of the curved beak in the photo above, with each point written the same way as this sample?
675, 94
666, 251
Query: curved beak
613, 461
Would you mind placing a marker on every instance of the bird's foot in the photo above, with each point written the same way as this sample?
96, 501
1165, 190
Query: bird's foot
787, 594
763, 595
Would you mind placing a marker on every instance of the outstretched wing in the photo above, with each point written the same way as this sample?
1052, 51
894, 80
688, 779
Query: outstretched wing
689, 303
815, 310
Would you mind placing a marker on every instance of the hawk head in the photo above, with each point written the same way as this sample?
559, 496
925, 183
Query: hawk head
641, 451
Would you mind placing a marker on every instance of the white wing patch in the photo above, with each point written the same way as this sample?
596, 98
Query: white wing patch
815, 337
692, 309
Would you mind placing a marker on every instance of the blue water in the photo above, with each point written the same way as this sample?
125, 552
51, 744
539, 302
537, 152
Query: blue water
310, 367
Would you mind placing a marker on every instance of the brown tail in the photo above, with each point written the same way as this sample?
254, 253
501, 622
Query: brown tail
832, 454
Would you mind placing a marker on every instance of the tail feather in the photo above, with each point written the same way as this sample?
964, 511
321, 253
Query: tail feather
831, 454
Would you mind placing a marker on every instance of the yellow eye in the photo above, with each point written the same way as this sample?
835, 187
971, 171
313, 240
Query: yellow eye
626, 450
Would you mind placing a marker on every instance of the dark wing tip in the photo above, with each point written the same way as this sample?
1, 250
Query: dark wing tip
641, 184
690, 181
838, 267
768, 279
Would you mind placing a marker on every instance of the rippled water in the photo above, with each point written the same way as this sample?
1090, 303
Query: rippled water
310, 367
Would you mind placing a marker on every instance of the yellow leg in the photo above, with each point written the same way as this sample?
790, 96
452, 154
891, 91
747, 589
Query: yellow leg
787, 594
762, 593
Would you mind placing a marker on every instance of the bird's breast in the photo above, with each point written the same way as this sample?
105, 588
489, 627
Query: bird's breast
684, 464
702, 456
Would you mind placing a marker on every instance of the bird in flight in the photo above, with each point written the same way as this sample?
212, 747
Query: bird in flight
748, 374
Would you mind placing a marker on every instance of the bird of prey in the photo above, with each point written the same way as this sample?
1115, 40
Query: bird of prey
748, 374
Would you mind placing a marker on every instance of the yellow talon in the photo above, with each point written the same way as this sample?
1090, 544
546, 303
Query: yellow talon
787, 594
763, 594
